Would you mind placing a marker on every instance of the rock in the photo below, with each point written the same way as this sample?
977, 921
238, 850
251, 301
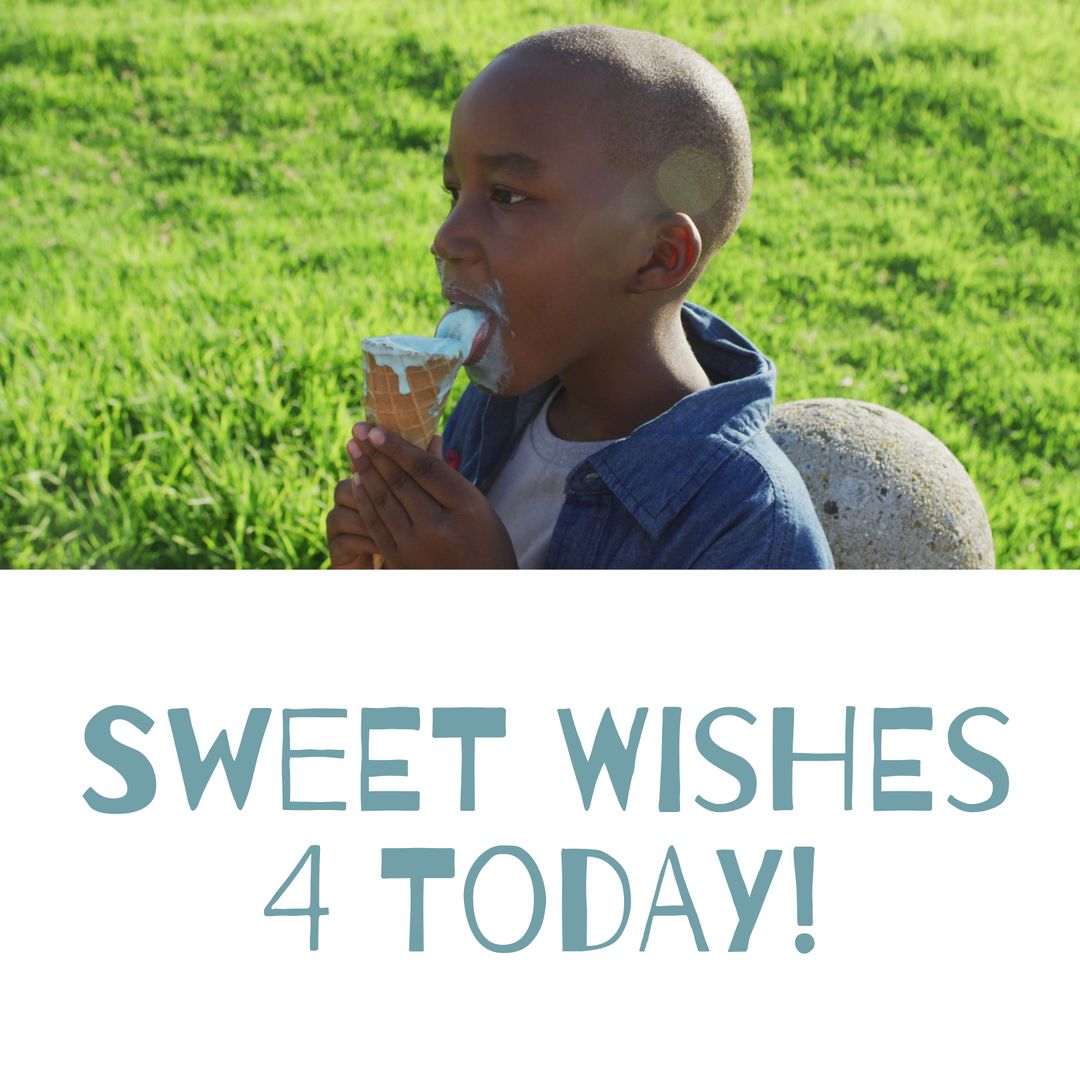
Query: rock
889, 494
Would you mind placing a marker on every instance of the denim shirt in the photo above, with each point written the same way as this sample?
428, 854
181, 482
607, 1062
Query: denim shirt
700, 486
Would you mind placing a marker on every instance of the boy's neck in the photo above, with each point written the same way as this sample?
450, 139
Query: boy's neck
609, 396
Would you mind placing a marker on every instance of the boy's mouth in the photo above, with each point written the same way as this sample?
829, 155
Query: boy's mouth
483, 335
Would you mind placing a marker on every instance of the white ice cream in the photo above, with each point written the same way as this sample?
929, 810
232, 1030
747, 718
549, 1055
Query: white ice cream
399, 352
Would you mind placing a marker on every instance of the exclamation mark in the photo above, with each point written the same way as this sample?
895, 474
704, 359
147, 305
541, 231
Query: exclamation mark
804, 895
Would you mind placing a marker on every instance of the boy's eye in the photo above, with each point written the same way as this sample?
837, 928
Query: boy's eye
505, 197
500, 195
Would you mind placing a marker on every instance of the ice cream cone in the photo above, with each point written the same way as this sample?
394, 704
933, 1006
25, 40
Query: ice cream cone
407, 380
414, 415
407, 399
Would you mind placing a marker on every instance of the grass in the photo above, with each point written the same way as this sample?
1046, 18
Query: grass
204, 206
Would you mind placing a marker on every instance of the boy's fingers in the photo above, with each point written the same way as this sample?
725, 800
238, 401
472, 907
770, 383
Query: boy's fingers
344, 521
345, 494
417, 503
381, 539
352, 448
379, 508
349, 543
351, 553
435, 446
429, 471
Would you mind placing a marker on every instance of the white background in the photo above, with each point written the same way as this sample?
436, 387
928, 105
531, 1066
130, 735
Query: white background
135, 945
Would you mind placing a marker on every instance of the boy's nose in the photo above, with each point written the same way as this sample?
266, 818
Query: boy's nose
453, 241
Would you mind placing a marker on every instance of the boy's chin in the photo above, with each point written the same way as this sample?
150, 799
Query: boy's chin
506, 387
492, 372
496, 375
496, 392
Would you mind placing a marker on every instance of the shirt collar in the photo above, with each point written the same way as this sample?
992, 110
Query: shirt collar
693, 438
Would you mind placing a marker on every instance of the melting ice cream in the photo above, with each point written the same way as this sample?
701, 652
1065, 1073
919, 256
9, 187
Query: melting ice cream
407, 379
454, 339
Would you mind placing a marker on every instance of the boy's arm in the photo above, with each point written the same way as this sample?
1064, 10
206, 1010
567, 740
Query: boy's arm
746, 552
771, 524
419, 512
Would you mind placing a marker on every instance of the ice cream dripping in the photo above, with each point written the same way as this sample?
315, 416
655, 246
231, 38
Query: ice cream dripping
455, 337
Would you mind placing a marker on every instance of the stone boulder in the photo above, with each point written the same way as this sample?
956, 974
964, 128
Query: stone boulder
889, 494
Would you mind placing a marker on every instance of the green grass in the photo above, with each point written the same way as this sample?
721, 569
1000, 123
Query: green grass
204, 206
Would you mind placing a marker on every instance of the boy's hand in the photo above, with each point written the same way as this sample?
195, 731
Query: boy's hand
418, 512
350, 545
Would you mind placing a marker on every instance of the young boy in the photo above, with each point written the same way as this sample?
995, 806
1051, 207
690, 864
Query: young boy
593, 172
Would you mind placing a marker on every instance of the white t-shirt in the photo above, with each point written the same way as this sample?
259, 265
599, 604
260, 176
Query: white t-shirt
530, 490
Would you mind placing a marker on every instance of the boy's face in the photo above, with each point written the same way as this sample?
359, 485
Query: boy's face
539, 232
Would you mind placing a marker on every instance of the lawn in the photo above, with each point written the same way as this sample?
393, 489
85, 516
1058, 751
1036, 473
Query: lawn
205, 206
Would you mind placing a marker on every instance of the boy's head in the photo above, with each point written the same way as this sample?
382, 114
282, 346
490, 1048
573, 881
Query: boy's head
594, 171
664, 114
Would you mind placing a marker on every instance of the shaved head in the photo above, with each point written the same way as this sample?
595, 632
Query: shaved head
666, 116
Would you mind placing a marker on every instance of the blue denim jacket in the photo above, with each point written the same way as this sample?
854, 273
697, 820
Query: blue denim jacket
700, 486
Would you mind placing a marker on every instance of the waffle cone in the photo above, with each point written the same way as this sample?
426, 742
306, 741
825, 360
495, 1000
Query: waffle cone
415, 415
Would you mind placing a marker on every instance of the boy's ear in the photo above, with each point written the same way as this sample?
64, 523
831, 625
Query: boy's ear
675, 252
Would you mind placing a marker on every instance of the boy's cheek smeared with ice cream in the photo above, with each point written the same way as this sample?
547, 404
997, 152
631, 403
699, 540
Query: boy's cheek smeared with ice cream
487, 366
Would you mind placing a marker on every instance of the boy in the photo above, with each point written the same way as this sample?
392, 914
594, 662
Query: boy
593, 172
